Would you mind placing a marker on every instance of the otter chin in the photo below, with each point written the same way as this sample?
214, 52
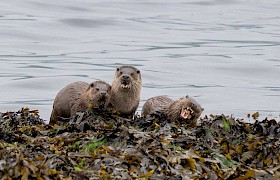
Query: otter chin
125, 85
184, 110
103, 101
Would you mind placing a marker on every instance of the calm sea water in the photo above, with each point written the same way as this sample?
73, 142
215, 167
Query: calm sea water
224, 53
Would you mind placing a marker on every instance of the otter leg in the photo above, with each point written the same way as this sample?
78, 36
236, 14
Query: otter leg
54, 117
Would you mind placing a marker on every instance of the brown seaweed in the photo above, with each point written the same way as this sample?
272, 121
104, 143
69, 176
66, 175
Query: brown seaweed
102, 145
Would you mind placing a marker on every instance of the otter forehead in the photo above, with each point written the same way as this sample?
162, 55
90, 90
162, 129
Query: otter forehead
101, 85
128, 69
190, 102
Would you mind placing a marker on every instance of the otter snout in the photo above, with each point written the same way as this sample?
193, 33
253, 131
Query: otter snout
187, 113
125, 77
103, 96
125, 81
103, 100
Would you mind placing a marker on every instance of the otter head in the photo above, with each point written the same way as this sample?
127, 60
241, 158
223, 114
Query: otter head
190, 109
99, 94
126, 77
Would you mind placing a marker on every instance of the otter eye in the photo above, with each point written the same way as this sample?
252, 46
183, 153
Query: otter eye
195, 106
97, 89
121, 73
138, 71
91, 85
118, 69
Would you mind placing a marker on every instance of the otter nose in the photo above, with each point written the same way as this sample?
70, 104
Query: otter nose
103, 93
125, 77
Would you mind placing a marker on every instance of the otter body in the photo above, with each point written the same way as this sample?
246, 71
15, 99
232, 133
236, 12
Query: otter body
79, 96
183, 109
126, 90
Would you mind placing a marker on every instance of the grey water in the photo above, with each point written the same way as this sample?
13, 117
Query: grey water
223, 53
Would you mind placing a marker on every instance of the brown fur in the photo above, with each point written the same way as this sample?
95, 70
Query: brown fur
126, 90
172, 109
156, 104
77, 96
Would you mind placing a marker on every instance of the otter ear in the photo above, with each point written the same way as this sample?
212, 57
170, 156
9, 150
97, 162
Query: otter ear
202, 109
187, 96
90, 86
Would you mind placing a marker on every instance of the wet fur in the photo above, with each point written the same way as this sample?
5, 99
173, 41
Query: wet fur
76, 97
156, 104
172, 109
126, 101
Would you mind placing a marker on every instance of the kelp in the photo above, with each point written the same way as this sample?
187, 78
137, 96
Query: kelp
101, 145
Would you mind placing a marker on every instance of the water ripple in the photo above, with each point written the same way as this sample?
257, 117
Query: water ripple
224, 52
87, 23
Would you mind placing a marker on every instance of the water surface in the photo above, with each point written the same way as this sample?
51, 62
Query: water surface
225, 54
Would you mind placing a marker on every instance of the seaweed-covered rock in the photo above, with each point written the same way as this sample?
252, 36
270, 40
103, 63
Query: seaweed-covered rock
102, 145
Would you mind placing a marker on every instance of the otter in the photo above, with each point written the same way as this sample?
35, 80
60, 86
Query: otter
80, 96
126, 90
185, 109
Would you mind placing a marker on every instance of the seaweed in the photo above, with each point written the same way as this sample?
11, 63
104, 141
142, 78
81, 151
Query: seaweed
102, 145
